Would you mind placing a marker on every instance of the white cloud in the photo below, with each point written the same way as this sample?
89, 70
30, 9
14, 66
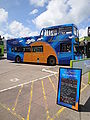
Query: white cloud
3, 15
8, 36
35, 33
39, 3
64, 11
83, 32
17, 29
33, 12
1, 33
81, 11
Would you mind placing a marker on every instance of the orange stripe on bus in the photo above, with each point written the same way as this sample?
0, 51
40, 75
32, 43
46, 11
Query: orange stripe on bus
47, 51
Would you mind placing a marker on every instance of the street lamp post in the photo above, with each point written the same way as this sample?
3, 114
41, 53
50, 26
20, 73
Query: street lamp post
85, 48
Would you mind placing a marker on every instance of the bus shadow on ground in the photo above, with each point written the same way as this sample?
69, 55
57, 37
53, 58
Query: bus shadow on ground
30, 63
85, 107
44, 64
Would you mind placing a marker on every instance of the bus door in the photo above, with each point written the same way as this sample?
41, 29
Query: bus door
65, 54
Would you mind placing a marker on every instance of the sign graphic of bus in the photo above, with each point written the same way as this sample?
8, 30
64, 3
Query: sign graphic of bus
54, 45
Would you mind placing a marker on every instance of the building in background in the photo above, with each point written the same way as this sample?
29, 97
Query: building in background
85, 44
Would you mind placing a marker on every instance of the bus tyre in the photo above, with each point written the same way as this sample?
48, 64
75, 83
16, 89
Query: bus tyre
51, 60
18, 59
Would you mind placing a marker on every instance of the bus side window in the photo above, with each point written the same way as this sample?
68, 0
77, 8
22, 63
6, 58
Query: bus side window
23, 49
19, 49
27, 49
65, 47
37, 48
12, 49
15, 49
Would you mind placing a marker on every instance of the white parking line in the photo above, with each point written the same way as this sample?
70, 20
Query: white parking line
25, 83
49, 71
14, 80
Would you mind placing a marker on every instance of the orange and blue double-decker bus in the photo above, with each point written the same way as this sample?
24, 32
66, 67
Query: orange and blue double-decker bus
55, 45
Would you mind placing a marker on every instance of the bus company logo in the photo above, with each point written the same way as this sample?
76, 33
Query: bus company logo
29, 41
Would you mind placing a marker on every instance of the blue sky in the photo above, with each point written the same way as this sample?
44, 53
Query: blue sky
21, 18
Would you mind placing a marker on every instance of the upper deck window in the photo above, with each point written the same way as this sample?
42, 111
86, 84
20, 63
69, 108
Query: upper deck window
42, 32
89, 31
65, 30
76, 31
56, 31
51, 32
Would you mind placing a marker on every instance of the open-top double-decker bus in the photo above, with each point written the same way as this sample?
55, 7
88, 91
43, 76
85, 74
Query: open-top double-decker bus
54, 45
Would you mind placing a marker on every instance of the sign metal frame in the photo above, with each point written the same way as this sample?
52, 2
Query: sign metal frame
69, 80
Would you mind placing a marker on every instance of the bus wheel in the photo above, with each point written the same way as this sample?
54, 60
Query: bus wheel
51, 60
18, 59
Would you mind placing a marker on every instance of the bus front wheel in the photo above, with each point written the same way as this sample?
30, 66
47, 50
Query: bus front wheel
51, 60
17, 59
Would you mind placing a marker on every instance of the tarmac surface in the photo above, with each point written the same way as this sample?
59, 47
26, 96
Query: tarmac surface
29, 92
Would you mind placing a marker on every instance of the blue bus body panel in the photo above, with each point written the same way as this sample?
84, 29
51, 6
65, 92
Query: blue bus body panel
12, 55
64, 58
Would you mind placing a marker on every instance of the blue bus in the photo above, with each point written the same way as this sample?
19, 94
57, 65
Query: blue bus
55, 45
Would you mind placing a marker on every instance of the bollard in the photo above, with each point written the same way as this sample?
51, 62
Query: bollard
89, 78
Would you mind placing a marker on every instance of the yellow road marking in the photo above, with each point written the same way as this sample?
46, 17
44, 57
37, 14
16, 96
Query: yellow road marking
83, 88
46, 105
12, 112
17, 98
57, 114
29, 109
53, 85
59, 111
56, 76
83, 83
